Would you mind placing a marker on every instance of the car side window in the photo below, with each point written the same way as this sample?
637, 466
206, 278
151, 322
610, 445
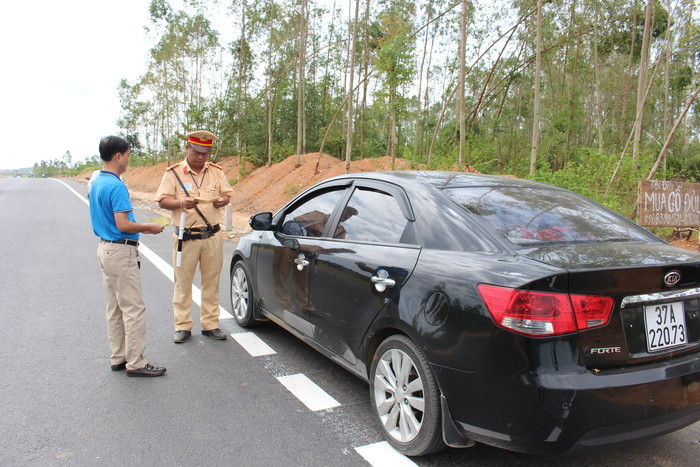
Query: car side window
371, 216
310, 218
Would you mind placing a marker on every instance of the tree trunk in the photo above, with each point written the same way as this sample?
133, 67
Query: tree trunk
270, 94
301, 106
574, 85
419, 106
348, 147
242, 76
596, 79
462, 77
536, 104
667, 52
366, 57
641, 84
622, 130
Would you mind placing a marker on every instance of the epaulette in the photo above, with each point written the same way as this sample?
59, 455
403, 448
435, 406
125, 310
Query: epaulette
172, 167
216, 165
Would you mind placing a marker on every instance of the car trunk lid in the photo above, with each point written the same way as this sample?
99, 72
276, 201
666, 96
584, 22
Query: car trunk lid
656, 314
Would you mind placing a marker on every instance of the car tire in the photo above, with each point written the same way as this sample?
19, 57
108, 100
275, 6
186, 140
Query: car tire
407, 405
242, 296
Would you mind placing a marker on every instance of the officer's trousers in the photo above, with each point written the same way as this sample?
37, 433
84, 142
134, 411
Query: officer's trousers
209, 255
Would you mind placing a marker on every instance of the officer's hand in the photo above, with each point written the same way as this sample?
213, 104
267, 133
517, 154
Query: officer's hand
189, 203
221, 202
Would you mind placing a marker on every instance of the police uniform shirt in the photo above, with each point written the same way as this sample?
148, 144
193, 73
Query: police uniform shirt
209, 184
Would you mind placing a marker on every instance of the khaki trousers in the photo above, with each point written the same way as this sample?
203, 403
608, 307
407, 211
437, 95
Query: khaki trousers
126, 312
209, 254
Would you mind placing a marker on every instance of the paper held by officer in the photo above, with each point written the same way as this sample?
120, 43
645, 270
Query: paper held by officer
205, 201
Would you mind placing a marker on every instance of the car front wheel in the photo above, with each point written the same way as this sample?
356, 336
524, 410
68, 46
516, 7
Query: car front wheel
405, 397
242, 298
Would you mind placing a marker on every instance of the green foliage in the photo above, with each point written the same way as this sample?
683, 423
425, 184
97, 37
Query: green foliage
589, 71
282, 151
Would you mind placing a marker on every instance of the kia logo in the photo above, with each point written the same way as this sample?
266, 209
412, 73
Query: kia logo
672, 278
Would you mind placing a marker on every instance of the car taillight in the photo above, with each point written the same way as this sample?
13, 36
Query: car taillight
545, 313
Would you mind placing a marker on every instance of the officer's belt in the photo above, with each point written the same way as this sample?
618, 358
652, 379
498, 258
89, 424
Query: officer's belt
198, 233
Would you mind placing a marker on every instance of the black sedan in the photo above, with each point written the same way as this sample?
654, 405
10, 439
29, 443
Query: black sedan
482, 309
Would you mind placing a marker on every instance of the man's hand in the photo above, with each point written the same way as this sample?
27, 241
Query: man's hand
153, 228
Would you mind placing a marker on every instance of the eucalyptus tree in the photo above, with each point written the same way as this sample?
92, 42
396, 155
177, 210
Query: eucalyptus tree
351, 84
176, 81
642, 78
536, 101
429, 11
395, 61
301, 77
462, 79
133, 119
249, 19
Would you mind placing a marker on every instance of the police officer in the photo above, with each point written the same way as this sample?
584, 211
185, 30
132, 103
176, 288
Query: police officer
201, 189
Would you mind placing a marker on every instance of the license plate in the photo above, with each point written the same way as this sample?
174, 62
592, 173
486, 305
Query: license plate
665, 325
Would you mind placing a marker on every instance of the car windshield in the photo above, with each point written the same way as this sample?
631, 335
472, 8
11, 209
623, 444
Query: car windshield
527, 216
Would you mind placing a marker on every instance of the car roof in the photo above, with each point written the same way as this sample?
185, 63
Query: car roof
443, 179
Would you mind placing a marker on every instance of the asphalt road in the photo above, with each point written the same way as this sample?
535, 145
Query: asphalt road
218, 404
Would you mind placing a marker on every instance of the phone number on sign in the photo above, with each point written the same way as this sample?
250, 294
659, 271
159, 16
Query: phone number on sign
677, 220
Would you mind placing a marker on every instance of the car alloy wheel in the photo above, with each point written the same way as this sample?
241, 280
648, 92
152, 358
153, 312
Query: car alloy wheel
405, 397
242, 296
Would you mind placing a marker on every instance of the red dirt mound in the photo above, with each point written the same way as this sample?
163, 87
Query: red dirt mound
265, 188
270, 188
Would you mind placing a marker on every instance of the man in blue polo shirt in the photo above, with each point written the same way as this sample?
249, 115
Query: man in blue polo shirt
112, 217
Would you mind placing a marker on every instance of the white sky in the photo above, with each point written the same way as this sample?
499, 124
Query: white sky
61, 64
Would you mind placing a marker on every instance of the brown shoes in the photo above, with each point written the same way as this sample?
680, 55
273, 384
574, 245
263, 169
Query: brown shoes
148, 370
215, 334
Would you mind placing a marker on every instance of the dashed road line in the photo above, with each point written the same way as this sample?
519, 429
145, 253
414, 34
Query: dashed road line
383, 454
308, 392
252, 344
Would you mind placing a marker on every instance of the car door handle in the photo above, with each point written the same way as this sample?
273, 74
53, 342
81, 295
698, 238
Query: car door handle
381, 281
301, 261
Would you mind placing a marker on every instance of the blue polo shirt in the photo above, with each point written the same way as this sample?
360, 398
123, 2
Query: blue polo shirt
108, 195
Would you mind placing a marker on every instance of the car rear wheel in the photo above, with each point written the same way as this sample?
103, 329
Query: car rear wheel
405, 397
242, 297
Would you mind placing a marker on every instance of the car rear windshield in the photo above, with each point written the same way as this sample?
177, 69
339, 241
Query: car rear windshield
527, 216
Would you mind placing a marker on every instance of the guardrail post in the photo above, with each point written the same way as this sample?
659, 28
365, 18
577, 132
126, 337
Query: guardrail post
229, 218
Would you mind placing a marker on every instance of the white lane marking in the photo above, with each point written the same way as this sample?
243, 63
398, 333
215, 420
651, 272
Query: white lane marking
159, 263
253, 344
315, 398
382, 454
308, 392
82, 198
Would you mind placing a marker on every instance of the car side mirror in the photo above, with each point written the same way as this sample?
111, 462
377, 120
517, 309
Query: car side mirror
261, 221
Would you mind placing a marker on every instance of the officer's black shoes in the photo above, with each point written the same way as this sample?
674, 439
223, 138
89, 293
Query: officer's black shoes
215, 334
181, 336
148, 370
119, 367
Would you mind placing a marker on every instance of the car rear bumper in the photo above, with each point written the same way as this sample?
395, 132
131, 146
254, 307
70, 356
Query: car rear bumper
567, 412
